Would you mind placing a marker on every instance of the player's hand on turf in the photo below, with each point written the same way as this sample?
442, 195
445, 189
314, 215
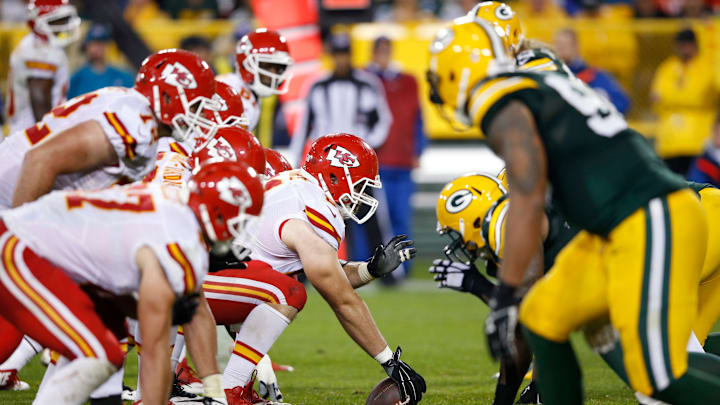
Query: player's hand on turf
411, 384
267, 381
184, 308
455, 275
501, 324
387, 258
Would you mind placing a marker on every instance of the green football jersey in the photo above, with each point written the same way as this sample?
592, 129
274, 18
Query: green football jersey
599, 169
540, 60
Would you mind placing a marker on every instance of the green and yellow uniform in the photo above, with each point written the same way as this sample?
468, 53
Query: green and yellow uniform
639, 254
541, 60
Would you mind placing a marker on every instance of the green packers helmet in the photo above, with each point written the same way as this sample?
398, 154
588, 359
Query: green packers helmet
460, 209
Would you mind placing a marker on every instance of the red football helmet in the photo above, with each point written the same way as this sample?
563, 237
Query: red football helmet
345, 166
231, 144
275, 163
256, 53
225, 196
56, 21
230, 112
180, 88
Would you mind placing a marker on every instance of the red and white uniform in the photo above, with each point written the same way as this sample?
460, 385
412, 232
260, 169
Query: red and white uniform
68, 239
172, 164
251, 105
125, 117
294, 194
34, 58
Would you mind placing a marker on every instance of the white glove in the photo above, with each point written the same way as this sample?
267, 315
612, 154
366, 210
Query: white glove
267, 381
451, 274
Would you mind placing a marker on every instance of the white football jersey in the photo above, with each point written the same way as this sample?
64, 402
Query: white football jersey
172, 165
125, 117
34, 58
251, 104
293, 194
94, 236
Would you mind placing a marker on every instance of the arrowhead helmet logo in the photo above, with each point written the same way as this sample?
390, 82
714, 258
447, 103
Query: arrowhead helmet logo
341, 157
220, 148
177, 74
458, 201
232, 191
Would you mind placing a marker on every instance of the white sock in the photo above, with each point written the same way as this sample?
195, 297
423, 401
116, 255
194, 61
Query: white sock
113, 385
178, 352
73, 383
26, 350
49, 373
259, 332
694, 345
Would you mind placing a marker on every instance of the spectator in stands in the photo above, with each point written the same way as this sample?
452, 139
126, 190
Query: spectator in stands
646, 9
685, 97
567, 48
706, 168
97, 73
192, 9
199, 45
404, 11
696, 9
13, 11
353, 101
405, 141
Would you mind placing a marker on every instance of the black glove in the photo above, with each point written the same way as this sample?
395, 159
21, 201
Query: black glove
184, 308
501, 324
226, 261
461, 277
411, 384
387, 258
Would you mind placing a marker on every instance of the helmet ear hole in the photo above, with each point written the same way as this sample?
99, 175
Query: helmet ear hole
477, 223
334, 179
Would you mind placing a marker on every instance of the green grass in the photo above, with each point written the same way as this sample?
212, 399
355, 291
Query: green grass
439, 331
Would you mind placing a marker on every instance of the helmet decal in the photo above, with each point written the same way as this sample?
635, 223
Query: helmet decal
220, 148
503, 12
177, 74
459, 200
341, 157
232, 190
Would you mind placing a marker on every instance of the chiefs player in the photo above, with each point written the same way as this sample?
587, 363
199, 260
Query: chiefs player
263, 62
276, 163
300, 231
39, 73
63, 287
101, 138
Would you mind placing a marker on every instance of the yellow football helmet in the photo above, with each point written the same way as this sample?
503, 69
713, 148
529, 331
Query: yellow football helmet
461, 55
502, 176
460, 209
504, 19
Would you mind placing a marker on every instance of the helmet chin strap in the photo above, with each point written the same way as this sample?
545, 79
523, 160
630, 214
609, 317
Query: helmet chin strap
207, 223
339, 206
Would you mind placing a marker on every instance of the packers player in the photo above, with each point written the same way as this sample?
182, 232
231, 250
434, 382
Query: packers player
529, 54
639, 253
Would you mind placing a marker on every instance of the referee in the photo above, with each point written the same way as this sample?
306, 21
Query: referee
352, 101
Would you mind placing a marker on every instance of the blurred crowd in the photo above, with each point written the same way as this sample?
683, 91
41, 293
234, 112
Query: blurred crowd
395, 10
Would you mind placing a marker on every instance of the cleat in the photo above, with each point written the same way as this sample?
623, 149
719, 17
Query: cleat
188, 379
46, 357
9, 381
646, 400
530, 395
128, 394
282, 367
179, 394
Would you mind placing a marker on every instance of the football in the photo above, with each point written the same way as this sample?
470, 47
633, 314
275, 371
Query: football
386, 392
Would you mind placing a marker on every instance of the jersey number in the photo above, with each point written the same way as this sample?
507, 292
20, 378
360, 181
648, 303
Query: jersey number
135, 202
602, 117
40, 131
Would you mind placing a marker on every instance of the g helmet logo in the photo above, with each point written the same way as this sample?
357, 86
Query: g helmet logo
232, 191
220, 148
341, 157
177, 74
458, 201
504, 12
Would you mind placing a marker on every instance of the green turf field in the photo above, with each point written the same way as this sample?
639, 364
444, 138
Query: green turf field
441, 335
